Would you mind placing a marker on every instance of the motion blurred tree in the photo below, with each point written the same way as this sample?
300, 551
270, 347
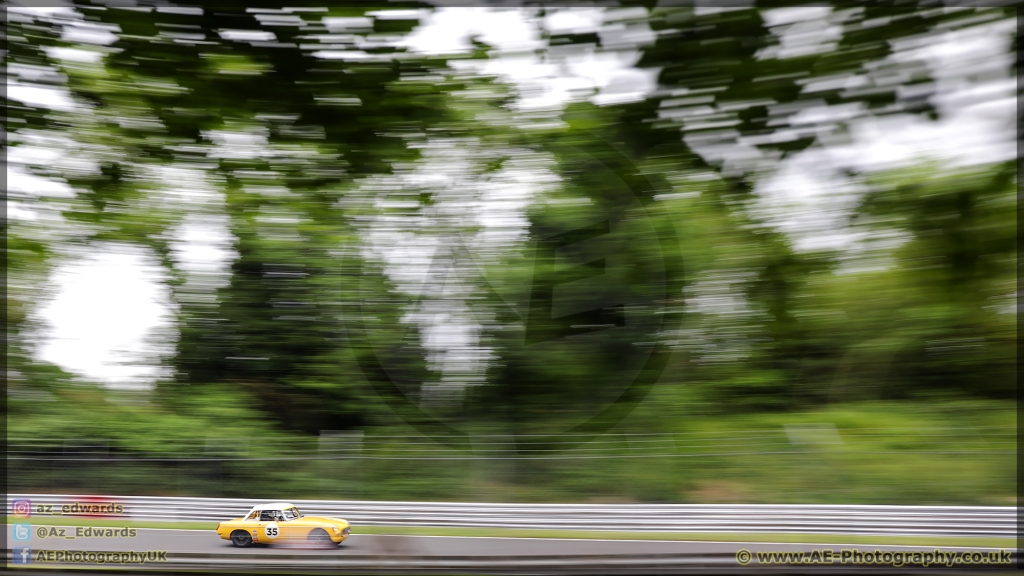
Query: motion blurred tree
733, 91
294, 115
947, 303
176, 86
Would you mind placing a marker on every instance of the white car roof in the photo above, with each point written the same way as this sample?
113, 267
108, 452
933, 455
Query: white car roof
273, 506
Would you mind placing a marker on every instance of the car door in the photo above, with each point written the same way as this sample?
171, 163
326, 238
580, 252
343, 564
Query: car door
269, 527
292, 528
251, 523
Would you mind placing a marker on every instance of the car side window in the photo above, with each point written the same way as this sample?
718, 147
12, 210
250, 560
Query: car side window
254, 516
269, 515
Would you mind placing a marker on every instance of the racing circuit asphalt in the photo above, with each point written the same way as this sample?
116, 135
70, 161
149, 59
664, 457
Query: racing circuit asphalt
207, 541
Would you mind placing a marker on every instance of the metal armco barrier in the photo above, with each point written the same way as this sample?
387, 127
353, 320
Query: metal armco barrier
979, 521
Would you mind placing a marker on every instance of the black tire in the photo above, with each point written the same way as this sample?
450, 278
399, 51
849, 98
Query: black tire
241, 539
320, 537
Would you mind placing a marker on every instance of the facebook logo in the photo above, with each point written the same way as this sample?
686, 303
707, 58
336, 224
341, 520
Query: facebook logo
21, 555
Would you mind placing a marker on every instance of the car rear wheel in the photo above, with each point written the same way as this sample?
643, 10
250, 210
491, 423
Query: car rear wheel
241, 538
320, 537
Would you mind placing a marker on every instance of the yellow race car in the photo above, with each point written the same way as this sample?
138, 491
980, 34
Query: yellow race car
281, 522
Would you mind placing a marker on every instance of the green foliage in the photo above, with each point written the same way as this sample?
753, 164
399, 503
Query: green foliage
308, 333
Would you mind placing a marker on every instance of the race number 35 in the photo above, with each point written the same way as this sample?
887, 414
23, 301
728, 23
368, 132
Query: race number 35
272, 531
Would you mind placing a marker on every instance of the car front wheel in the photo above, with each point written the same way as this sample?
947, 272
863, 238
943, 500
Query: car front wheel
241, 539
320, 537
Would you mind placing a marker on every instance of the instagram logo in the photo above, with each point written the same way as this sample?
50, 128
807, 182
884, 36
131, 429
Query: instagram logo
21, 508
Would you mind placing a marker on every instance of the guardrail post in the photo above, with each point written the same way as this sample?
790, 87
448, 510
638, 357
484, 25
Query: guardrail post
179, 474
340, 463
493, 459
216, 450
480, 481
812, 440
655, 454
86, 457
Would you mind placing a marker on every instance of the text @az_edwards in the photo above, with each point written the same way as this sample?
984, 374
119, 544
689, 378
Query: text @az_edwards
23, 532
75, 532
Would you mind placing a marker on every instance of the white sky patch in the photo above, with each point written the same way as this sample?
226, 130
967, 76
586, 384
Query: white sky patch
438, 253
89, 35
808, 196
102, 320
783, 16
245, 143
343, 24
31, 185
203, 248
546, 84
801, 32
247, 35
23, 193
815, 206
36, 95
66, 11
204, 245
448, 30
74, 54
25, 189
574, 21
353, 55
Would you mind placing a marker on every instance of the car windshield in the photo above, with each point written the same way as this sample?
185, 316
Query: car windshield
291, 513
